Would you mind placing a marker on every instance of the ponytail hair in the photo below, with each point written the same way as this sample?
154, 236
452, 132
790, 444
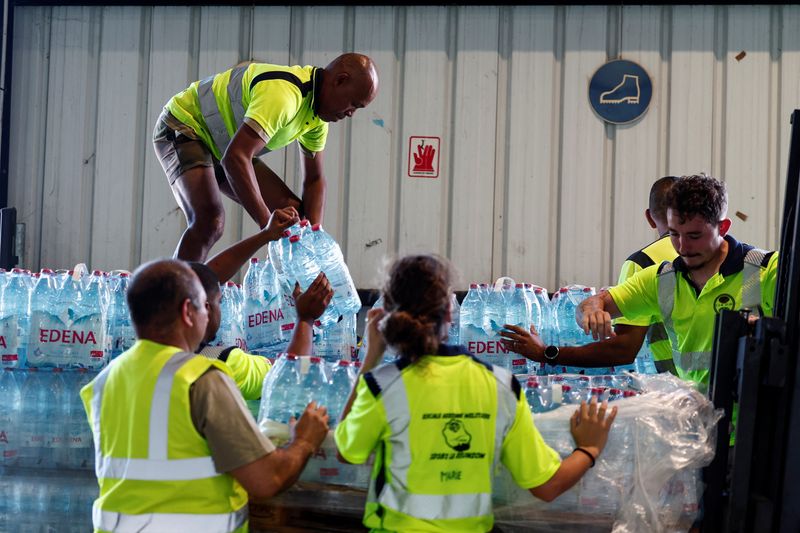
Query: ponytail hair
416, 297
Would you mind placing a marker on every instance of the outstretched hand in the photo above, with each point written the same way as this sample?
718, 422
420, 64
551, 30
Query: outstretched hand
526, 343
279, 221
311, 303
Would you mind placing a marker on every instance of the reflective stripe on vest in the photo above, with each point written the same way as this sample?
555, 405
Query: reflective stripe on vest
431, 506
667, 283
751, 280
124, 523
156, 467
211, 112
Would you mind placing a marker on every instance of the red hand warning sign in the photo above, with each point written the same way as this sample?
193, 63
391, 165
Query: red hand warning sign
423, 157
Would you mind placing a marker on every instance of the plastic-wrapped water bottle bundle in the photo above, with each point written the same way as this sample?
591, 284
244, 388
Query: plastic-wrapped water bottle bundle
545, 393
63, 319
646, 478
39, 500
42, 419
485, 311
305, 251
293, 382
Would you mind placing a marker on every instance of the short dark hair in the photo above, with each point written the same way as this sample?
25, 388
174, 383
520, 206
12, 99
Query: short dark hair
157, 292
208, 278
699, 195
658, 197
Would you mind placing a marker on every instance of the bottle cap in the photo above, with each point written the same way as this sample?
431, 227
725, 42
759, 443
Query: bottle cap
304, 223
519, 286
286, 233
254, 259
316, 360
344, 362
473, 285
587, 289
316, 227
47, 272
294, 238
97, 272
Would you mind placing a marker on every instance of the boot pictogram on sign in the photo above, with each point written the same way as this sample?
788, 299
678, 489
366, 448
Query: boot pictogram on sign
626, 92
620, 91
423, 157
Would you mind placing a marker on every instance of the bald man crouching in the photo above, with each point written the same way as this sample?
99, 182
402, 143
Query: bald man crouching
209, 137
176, 447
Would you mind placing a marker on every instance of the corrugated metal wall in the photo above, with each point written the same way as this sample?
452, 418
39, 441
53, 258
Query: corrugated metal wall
532, 184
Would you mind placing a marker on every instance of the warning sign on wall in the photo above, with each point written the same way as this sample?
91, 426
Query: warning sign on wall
423, 157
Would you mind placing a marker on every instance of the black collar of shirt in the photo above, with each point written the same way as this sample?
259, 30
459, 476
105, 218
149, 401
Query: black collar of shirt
449, 350
316, 78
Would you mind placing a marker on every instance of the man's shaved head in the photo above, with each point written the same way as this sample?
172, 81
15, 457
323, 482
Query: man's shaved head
350, 82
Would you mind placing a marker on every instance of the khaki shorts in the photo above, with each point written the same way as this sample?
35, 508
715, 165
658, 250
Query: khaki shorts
179, 149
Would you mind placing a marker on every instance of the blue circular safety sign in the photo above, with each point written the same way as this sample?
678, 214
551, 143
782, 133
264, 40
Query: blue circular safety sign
620, 91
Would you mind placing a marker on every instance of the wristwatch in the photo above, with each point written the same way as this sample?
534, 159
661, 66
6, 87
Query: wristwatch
551, 353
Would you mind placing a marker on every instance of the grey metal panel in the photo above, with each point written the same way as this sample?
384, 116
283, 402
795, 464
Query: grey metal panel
374, 154
638, 148
532, 183
119, 153
172, 66
70, 136
28, 124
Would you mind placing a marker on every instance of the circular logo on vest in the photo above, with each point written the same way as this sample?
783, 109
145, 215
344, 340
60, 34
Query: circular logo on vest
724, 302
456, 435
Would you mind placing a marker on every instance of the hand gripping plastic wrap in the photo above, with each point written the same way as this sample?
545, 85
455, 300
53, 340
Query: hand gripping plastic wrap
646, 479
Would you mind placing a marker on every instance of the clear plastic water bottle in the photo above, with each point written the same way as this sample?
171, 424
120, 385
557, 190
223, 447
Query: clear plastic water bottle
79, 440
313, 384
305, 269
496, 303
337, 341
455, 321
14, 319
343, 378
331, 261
279, 388
121, 335
89, 347
518, 313
230, 332
536, 307
57, 417
10, 435
277, 250
471, 317
34, 427
47, 322
253, 305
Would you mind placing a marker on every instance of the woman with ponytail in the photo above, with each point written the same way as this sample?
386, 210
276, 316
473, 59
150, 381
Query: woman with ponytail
439, 419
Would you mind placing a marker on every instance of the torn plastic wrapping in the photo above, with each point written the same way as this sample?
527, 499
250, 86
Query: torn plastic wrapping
646, 479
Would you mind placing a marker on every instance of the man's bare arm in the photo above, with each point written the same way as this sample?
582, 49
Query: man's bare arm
237, 161
314, 187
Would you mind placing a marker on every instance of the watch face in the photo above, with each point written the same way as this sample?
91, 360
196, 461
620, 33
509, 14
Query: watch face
551, 352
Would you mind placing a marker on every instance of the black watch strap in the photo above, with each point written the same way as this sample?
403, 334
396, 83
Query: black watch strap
551, 353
